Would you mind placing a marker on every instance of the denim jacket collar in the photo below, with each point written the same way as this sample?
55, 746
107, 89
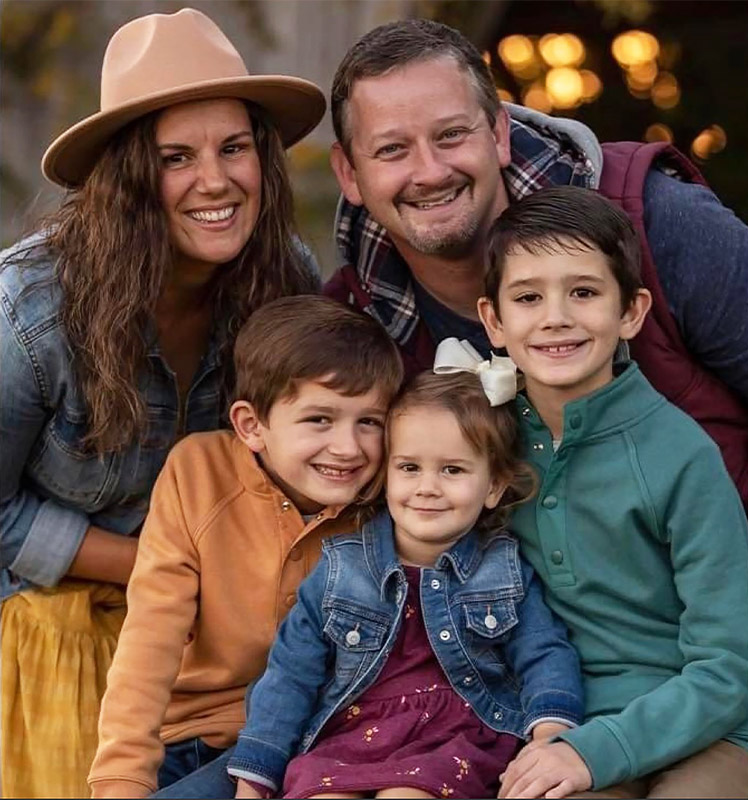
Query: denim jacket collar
381, 559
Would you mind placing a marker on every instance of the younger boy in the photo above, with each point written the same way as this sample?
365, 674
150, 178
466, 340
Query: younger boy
636, 530
236, 523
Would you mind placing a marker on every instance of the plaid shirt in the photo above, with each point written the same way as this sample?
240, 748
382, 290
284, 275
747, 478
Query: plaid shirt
540, 157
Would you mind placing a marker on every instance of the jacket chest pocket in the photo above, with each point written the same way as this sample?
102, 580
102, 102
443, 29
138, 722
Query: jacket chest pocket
488, 624
68, 472
355, 636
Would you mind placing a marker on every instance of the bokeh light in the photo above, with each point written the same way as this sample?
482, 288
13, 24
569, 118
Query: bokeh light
592, 86
635, 47
536, 97
708, 142
666, 91
562, 50
658, 132
564, 86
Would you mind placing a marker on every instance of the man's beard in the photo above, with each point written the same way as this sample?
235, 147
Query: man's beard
457, 242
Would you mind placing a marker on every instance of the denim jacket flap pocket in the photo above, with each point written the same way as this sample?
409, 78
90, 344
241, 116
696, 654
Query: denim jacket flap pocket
355, 631
490, 619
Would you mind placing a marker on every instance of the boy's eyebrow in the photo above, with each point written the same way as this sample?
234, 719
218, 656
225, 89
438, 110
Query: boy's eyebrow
567, 279
331, 410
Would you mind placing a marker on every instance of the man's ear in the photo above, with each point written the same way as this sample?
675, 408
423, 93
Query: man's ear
503, 141
634, 316
491, 322
346, 174
247, 425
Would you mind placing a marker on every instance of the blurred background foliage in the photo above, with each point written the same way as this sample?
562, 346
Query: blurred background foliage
630, 69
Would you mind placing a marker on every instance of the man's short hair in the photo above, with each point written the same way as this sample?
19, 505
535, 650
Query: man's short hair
566, 219
312, 338
396, 44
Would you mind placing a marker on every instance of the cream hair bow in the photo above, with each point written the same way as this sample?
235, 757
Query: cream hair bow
497, 376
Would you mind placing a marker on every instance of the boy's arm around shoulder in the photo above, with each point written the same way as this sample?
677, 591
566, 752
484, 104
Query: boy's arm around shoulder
543, 659
700, 521
283, 701
162, 605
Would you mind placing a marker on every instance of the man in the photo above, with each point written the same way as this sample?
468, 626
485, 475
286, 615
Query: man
427, 158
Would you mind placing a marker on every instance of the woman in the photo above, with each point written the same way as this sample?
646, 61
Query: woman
117, 323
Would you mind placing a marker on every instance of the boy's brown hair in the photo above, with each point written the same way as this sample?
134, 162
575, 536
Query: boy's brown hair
492, 431
566, 219
312, 338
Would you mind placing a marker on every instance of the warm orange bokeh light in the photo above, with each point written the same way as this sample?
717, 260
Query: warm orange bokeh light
516, 51
635, 47
658, 133
666, 91
563, 50
708, 142
564, 86
536, 97
591, 85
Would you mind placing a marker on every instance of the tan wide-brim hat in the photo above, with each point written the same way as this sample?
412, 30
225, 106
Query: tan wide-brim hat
162, 59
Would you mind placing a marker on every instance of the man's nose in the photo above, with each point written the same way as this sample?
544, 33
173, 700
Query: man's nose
430, 167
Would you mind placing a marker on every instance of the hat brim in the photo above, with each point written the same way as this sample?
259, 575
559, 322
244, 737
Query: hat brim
295, 105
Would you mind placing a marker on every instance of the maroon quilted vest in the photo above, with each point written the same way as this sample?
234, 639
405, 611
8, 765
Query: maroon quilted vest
659, 348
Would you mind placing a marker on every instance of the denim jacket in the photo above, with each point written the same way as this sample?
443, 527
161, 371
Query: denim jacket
51, 489
499, 645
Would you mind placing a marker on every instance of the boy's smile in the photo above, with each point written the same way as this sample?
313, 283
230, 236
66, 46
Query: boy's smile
321, 447
560, 319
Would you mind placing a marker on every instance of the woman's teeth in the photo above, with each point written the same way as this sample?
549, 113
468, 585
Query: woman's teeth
213, 216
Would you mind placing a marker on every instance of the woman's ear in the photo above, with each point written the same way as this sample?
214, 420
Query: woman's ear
247, 425
491, 322
633, 317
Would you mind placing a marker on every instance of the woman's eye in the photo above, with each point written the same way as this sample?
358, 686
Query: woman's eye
236, 148
172, 159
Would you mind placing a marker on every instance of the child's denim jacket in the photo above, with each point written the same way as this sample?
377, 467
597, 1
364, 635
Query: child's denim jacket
499, 645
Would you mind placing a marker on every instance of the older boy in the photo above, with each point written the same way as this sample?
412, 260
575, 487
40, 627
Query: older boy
636, 530
236, 523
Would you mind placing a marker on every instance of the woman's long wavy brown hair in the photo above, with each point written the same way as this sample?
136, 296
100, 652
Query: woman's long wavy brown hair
113, 254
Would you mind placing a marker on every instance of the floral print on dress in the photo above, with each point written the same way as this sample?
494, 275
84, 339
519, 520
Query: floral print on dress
446, 791
409, 611
327, 780
370, 733
352, 711
463, 765
432, 688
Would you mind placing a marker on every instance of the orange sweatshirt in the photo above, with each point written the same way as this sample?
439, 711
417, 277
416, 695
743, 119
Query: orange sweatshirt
220, 557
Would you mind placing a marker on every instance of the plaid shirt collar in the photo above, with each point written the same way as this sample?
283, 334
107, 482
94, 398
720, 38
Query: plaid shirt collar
539, 158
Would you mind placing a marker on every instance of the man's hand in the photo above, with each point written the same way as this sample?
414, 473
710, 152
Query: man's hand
547, 730
545, 769
245, 789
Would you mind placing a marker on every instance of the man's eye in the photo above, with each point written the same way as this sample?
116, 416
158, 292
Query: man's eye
388, 150
454, 134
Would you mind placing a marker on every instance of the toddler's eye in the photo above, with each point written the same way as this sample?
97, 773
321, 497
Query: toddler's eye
408, 467
453, 469
372, 422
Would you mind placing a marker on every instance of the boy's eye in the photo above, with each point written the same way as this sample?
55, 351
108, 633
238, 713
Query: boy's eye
373, 422
527, 297
318, 420
584, 292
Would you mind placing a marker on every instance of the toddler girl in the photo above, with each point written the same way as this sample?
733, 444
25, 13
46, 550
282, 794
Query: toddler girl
420, 653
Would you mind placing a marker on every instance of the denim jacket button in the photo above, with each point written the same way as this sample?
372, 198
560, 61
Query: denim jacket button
435, 584
490, 621
467, 680
445, 636
352, 638
498, 715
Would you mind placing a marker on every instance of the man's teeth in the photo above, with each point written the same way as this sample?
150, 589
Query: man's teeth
442, 201
213, 216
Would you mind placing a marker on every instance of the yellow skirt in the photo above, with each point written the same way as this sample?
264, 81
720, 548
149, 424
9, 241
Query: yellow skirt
57, 646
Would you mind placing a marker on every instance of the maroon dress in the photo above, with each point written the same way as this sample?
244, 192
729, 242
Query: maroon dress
410, 728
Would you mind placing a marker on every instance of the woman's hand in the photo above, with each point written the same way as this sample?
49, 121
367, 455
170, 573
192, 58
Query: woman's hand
545, 769
104, 556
